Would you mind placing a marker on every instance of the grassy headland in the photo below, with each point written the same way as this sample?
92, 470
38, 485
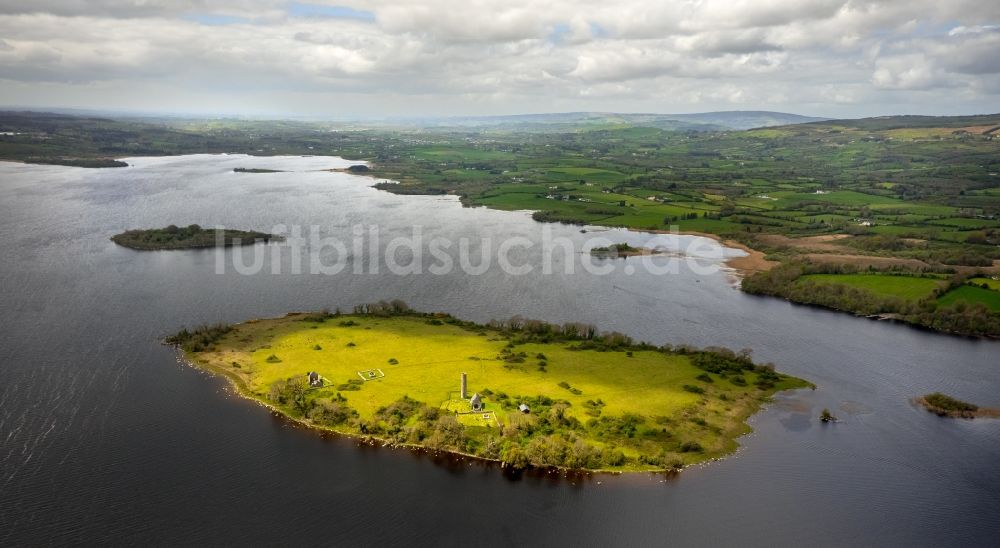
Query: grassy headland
188, 237
959, 303
596, 401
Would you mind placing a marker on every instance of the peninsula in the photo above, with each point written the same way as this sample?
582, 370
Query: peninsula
522, 392
188, 237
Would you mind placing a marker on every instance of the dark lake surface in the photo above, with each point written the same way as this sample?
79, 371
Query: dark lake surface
106, 438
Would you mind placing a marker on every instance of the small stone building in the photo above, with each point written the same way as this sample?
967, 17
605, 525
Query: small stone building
315, 379
477, 402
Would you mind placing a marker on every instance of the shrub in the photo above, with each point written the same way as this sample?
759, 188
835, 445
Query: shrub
694, 389
201, 338
331, 413
691, 447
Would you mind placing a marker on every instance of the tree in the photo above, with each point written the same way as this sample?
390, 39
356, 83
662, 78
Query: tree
331, 412
292, 392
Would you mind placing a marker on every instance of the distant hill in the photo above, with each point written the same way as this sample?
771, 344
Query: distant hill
746, 119
978, 123
569, 121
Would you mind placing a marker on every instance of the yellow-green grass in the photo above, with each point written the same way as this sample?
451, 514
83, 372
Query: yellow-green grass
971, 294
905, 287
920, 133
423, 359
989, 282
769, 133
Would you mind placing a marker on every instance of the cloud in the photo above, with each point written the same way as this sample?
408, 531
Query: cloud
516, 55
963, 58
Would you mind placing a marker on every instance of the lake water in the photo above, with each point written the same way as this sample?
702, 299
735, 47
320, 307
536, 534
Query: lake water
105, 437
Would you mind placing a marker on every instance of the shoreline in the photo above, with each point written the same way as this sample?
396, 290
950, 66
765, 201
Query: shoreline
752, 263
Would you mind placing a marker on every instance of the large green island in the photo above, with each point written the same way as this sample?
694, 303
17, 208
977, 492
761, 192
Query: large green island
188, 237
522, 392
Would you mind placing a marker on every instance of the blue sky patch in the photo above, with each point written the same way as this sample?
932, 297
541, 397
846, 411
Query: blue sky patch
559, 32
215, 20
299, 9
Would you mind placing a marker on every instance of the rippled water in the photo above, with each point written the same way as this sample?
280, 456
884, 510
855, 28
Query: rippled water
105, 437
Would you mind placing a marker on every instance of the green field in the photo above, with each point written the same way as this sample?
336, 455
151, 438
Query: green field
989, 282
844, 198
905, 287
970, 294
623, 408
969, 224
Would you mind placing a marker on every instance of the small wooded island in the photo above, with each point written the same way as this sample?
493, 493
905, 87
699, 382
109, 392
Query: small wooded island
77, 162
523, 392
255, 170
188, 237
621, 250
944, 405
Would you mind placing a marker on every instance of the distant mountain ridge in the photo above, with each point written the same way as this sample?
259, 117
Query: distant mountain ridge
986, 122
703, 121
747, 119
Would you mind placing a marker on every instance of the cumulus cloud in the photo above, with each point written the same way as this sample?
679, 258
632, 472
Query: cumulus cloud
819, 56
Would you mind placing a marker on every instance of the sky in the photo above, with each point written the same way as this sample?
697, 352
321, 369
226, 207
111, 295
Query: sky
418, 58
